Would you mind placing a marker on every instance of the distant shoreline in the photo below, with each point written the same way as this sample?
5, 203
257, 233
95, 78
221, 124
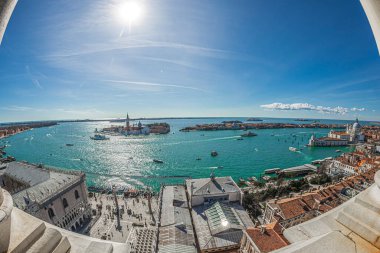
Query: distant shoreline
248, 126
9, 130
4, 124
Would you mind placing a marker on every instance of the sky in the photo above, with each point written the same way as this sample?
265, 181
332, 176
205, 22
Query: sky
67, 59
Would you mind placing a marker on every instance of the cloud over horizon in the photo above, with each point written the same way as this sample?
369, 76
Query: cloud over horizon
309, 107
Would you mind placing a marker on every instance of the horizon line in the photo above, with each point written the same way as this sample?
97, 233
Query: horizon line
176, 117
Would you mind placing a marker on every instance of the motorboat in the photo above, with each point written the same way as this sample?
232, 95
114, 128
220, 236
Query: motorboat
99, 137
293, 149
214, 153
249, 134
158, 161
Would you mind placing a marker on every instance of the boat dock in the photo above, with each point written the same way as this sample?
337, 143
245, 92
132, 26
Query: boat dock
272, 171
298, 170
321, 160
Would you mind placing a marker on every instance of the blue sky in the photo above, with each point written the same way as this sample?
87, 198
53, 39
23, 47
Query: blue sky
67, 59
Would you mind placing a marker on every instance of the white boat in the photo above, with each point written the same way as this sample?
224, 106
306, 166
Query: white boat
293, 149
99, 137
249, 134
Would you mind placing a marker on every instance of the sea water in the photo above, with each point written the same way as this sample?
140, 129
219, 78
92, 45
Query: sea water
128, 161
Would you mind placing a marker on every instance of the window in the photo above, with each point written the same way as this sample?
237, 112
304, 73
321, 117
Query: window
65, 204
51, 213
76, 194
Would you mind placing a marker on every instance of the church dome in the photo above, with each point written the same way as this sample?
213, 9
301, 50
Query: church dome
356, 126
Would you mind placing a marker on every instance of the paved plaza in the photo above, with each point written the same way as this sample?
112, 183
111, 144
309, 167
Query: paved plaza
135, 220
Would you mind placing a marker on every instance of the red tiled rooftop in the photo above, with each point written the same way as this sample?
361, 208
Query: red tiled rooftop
291, 208
268, 240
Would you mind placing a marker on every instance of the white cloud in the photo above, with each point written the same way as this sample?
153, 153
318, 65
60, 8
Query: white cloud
16, 108
33, 77
309, 107
354, 109
150, 84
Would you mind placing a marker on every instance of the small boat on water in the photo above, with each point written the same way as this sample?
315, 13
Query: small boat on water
239, 139
338, 150
158, 161
214, 153
69, 144
249, 134
293, 149
99, 137
198, 159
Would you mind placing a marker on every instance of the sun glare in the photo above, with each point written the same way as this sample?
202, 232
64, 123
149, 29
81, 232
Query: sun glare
129, 12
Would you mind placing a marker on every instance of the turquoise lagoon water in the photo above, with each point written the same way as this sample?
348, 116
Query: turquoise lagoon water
128, 160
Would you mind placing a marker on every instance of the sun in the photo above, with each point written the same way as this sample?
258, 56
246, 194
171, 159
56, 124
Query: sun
129, 12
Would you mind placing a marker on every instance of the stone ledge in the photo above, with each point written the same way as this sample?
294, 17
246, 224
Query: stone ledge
6, 207
47, 242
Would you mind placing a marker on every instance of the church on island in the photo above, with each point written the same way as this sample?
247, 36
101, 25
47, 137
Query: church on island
128, 129
138, 129
352, 135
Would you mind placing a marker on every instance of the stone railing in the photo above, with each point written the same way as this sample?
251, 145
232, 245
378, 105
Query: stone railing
6, 206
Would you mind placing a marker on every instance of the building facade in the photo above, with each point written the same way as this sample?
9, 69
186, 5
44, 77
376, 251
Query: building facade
352, 135
55, 196
326, 142
349, 164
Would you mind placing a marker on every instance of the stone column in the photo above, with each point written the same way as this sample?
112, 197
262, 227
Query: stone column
6, 9
6, 206
372, 9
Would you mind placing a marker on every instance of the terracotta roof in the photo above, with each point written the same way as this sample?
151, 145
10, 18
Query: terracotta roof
312, 200
329, 139
268, 240
340, 133
291, 208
